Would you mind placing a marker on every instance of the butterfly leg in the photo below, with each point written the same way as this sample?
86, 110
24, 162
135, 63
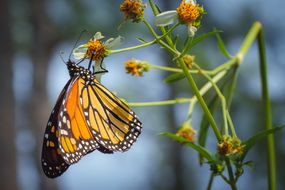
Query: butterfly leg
103, 69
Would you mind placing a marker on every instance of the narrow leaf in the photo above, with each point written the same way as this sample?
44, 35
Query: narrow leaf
203, 37
259, 136
157, 7
174, 77
142, 40
201, 150
222, 47
248, 164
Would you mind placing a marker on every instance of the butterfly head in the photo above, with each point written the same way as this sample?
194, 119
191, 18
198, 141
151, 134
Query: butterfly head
76, 70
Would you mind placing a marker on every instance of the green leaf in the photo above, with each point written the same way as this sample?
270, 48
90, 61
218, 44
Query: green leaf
201, 150
157, 7
174, 77
259, 136
222, 47
230, 86
203, 37
248, 164
142, 40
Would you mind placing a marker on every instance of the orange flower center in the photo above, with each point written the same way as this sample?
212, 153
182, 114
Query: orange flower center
188, 12
96, 50
133, 67
187, 133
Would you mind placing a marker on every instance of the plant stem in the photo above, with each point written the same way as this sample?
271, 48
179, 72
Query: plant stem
163, 30
205, 89
231, 175
271, 163
162, 43
170, 69
160, 103
200, 99
222, 98
145, 44
250, 37
210, 183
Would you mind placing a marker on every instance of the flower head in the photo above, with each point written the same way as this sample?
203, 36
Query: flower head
133, 9
136, 67
188, 13
189, 60
187, 132
230, 146
95, 48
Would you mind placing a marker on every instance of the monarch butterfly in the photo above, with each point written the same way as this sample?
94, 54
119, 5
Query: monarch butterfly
86, 117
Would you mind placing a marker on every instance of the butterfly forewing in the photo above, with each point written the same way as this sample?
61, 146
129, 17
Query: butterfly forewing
52, 162
75, 137
113, 124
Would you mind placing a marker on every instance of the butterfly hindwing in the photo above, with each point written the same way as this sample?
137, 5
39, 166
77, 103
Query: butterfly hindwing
75, 137
52, 162
113, 124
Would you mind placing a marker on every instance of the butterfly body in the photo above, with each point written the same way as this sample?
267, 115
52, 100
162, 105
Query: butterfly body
86, 117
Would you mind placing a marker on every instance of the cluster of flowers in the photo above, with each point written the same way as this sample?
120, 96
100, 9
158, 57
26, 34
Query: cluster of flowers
188, 13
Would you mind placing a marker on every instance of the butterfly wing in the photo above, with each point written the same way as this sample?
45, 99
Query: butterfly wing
75, 138
114, 125
52, 162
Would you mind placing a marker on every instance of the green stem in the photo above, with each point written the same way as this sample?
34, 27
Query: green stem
205, 89
200, 99
250, 37
144, 44
163, 30
210, 183
231, 175
170, 69
268, 118
160, 103
231, 124
222, 98
162, 43
186, 48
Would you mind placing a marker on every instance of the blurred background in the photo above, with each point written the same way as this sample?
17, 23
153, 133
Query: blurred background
32, 74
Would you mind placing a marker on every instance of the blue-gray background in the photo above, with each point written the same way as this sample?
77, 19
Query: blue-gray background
34, 34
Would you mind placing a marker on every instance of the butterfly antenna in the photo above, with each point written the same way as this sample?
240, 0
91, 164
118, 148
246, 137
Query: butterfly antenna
80, 35
61, 53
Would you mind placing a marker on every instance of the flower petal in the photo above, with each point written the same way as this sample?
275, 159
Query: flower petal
193, 2
97, 67
98, 36
79, 52
114, 43
166, 18
191, 30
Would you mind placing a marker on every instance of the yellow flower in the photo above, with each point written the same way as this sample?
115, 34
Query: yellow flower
136, 67
95, 48
187, 132
189, 13
189, 60
133, 9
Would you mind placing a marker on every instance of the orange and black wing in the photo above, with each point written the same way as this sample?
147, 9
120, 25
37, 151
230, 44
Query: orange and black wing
52, 162
75, 137
114, 125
